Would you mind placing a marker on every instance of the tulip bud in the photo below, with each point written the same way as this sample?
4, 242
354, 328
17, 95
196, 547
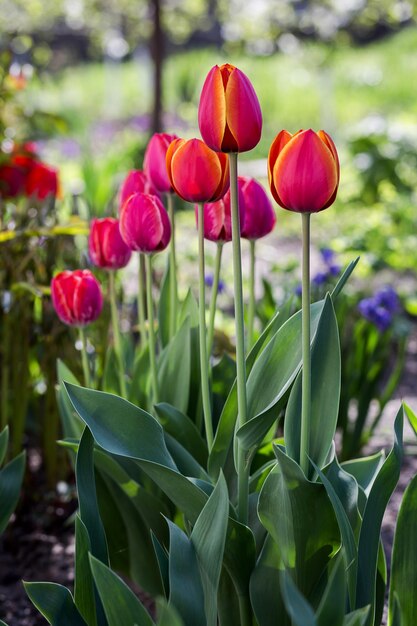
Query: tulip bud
106, 246
229, 114
42, 182
154, 162
218, 220
303, 170
136, 181
197, 173
259, 213
144, 223
76, 297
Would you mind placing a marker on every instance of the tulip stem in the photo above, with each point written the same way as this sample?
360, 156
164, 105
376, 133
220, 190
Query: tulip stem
251, 308
116, 334
173, 288
141, 299
242, 465
205, 389
213, 298
306, 375
152, 342
84, 357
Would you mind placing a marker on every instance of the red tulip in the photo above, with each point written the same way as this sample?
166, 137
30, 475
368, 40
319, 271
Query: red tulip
106, 246
303, 171
76, 297
136, 181
259, 213
144, 223
197, 174
14, 171
42, 182
154, 162
218, 220
229, 114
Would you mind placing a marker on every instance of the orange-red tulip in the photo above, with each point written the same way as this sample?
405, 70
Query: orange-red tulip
197, 173
303, 170
229, 114
154, 163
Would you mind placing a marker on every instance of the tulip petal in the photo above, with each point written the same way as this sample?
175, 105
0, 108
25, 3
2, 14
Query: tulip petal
87, 299
195, 171
259, 213
305, 173
172, 148
244, 117
277, 145
331, 145
225, 179
212, 110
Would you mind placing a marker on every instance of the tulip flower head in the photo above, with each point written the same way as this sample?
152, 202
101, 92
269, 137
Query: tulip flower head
229, 114
218, 220
259, 213
197, 173
154, 163
106, 246
303, 170
15, 169
144, 223
42, 182
76, 297
136, 181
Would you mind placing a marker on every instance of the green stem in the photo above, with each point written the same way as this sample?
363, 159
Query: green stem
306, 375
243, 468
5, 375
141, 299
251, 309
213, 298
84, 357
205, 389
173, 289
116, 334
152, 340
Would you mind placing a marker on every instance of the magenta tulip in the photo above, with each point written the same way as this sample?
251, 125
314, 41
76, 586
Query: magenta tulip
154, 163
135, 181
106, 246
259, 213
144, 223
76, 297
217, 218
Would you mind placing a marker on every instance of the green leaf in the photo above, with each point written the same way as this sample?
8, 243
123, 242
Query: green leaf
358, 617
396, 615
185, 462
164, 307
84, 585
208, 537
121, 606
299, 516
72, 426
189, 307
378, 498
412, 417
272, 376
346, 529
174, 369
344, 278
404, 564
11, 477
186, 589
55, 603
139, 387
365, 470
4, 442
119, 426
331, 610
297, 606
87, 497
167, 615
325, 392
183, 429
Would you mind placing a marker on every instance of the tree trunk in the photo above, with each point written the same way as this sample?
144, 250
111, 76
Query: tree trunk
157, 52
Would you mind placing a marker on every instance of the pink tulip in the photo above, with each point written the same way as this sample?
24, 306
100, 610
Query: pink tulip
197, 173
217, 218
76, 297
259, 213
154, 163
229, 114
144, 223
303, 170
106, 246
136, 181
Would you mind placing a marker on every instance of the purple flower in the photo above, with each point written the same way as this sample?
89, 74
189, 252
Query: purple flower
327, 255
209, 279
387, 298
334, 269
378, 315
298, 290
320, 278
